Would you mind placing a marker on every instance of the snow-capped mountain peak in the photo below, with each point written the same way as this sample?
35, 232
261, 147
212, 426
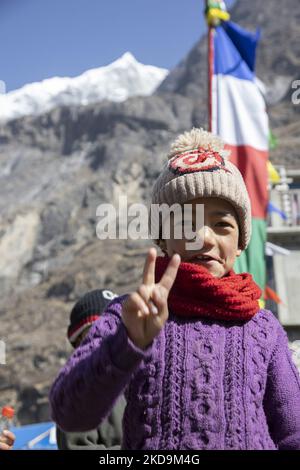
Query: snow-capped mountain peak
117, 81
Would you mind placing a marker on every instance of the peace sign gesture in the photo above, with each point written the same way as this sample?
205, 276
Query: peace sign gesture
145, 311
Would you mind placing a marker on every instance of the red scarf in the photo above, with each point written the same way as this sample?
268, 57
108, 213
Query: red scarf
197, 293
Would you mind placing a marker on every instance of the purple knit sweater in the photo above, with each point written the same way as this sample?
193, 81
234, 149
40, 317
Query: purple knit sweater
202, 384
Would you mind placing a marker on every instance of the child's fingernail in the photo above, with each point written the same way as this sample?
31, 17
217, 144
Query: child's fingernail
146, 311
154, 309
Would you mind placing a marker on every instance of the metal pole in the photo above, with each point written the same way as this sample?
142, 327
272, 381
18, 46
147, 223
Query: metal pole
210, 68
210, 75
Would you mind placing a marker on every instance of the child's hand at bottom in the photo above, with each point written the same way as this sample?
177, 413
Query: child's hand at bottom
145, 311
7, 439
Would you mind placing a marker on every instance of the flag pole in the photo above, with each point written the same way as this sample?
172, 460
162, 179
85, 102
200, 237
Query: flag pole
210, 75
215, 13
210, 65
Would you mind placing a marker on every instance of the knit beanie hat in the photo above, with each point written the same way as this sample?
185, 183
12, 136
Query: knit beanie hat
87, 310
198, 166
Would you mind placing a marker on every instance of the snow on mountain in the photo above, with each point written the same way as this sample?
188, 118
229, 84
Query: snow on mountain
115, 82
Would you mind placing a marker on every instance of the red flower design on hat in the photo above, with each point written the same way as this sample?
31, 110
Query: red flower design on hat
196, 160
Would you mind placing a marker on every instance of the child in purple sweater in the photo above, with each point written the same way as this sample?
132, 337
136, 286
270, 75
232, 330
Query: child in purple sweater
201, 365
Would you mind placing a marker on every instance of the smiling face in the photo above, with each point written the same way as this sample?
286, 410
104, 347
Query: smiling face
220, 235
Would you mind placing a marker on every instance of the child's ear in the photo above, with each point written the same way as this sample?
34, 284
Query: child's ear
239, 252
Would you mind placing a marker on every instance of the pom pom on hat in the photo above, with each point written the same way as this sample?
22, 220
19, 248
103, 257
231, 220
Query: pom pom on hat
196, 138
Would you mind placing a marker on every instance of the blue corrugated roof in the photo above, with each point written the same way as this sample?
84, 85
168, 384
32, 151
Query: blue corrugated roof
39, 432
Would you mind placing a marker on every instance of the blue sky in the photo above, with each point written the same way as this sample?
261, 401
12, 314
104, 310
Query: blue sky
45, 38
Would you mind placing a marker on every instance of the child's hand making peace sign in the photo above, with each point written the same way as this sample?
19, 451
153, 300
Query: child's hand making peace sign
145, 311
